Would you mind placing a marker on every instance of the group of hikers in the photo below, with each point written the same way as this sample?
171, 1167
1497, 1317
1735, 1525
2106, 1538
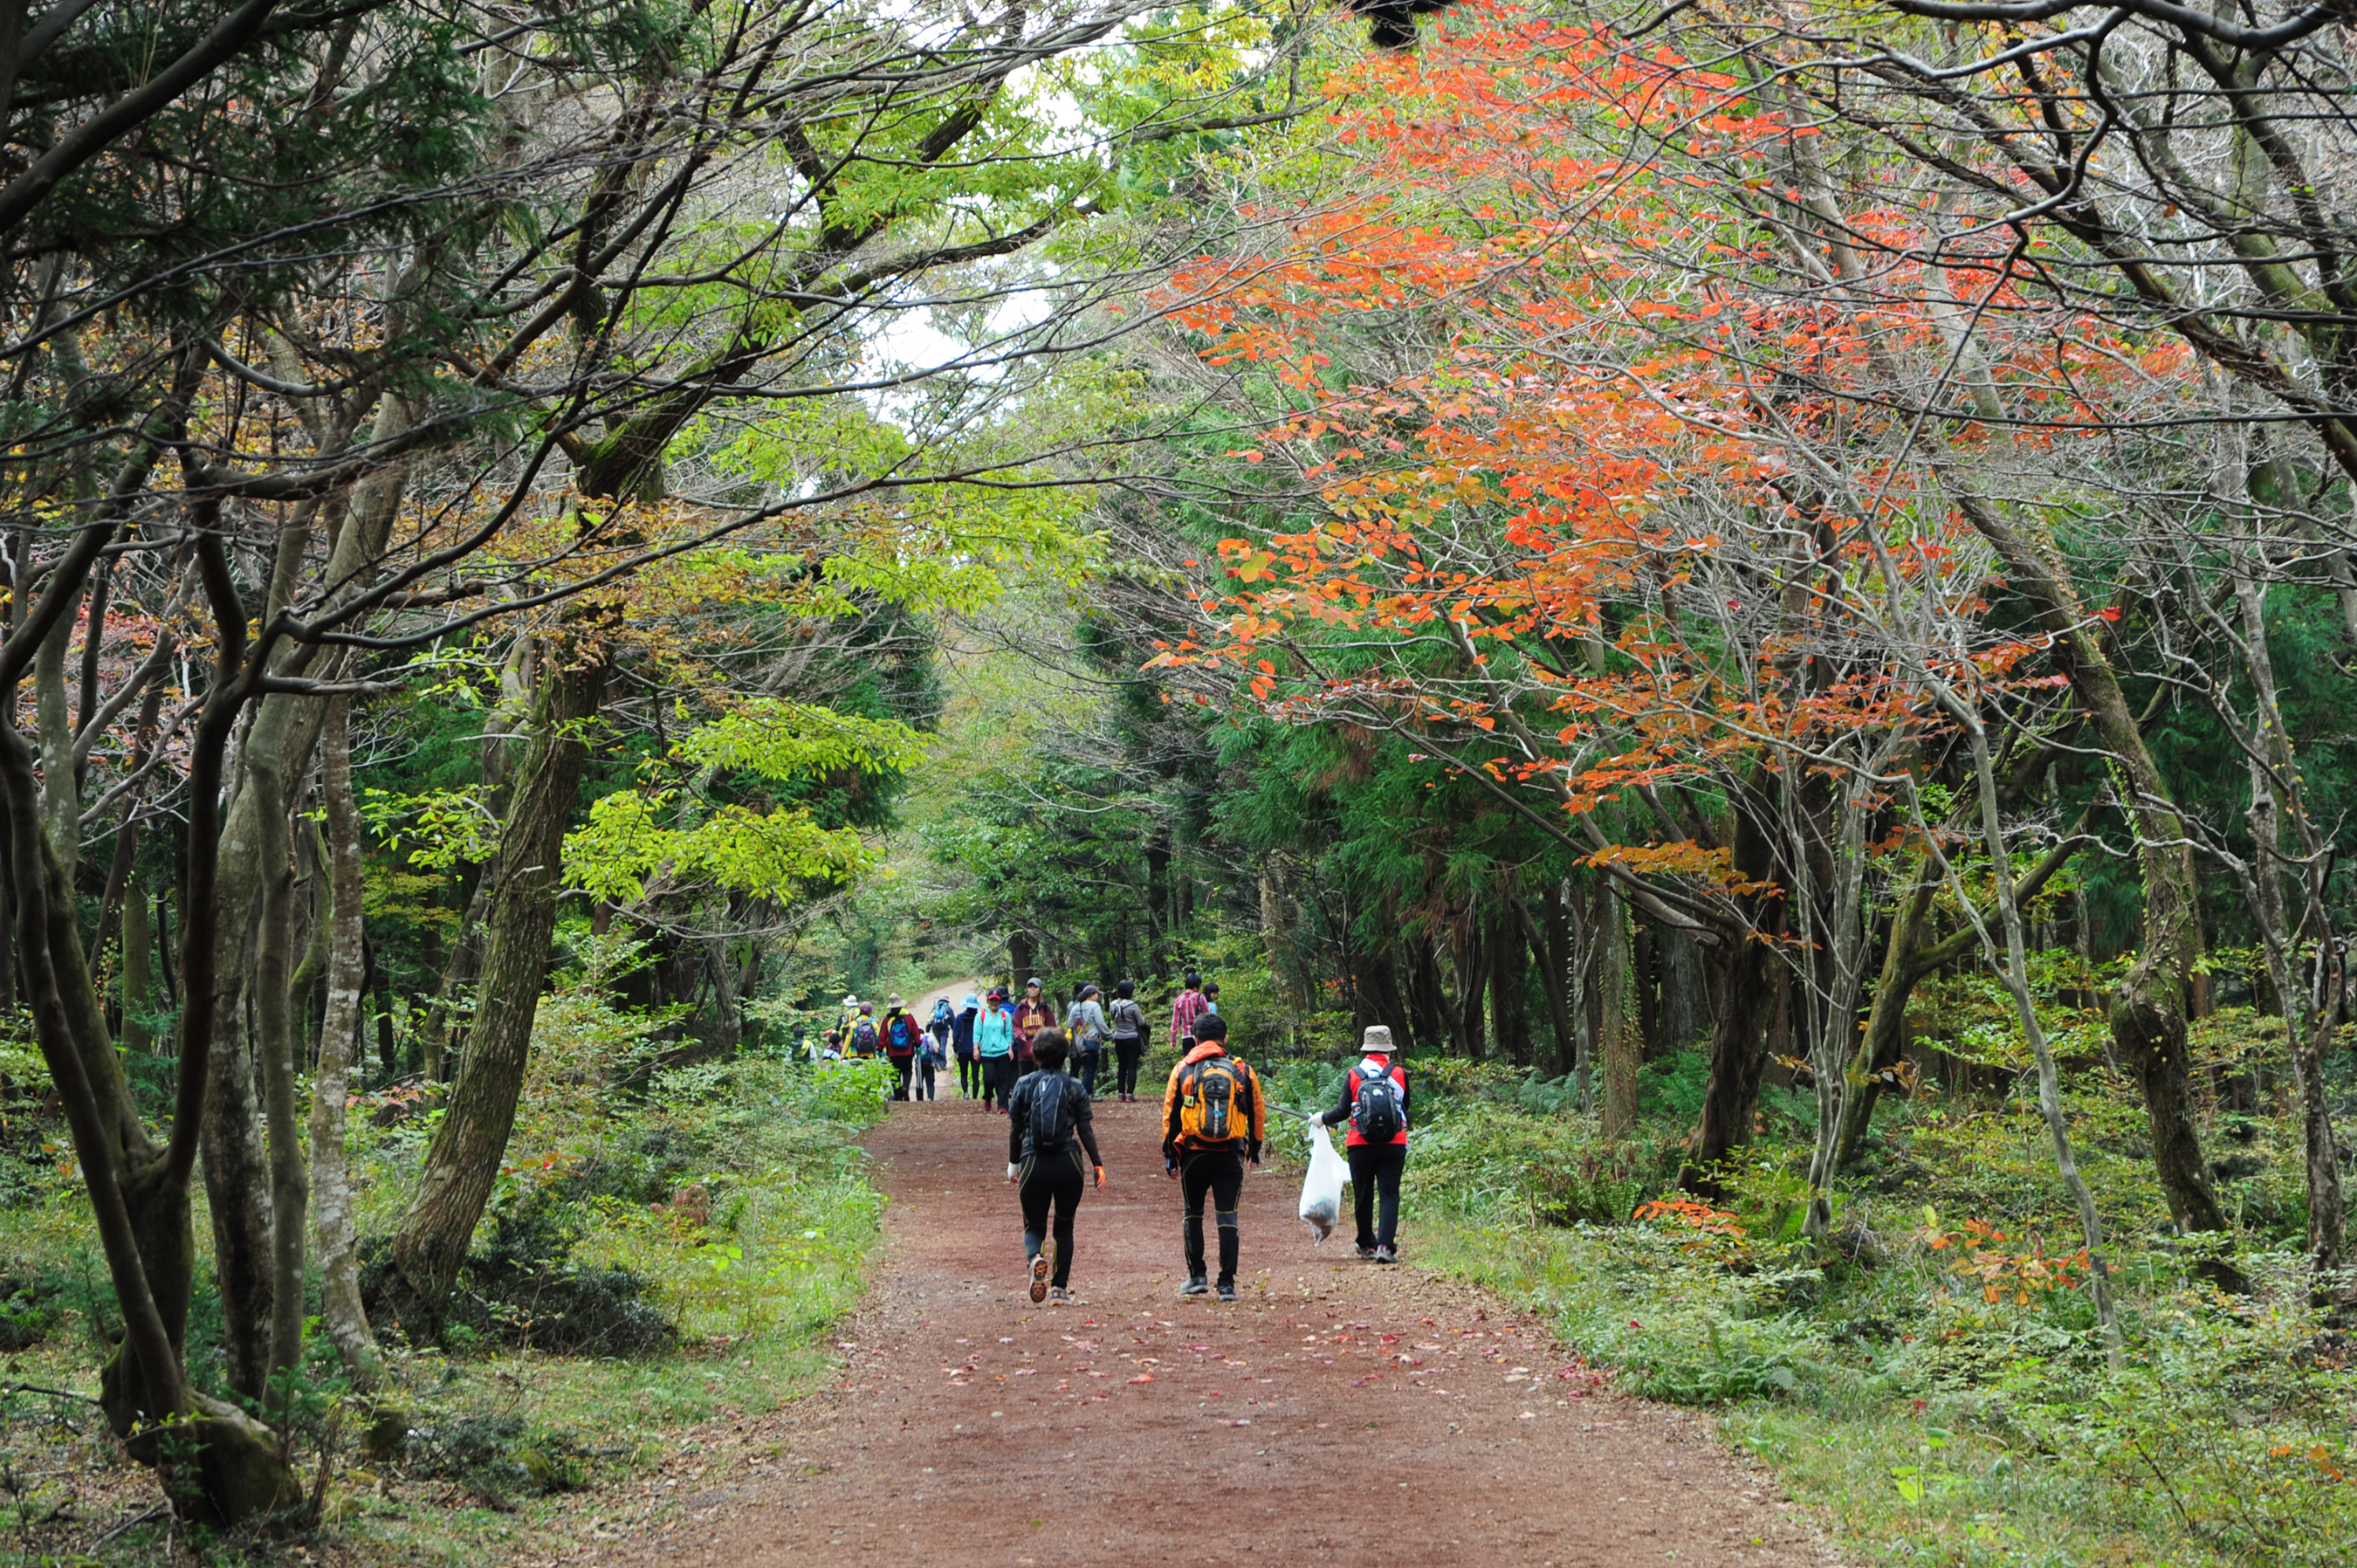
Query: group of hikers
1014, 1057
992, 1037
1214, 1123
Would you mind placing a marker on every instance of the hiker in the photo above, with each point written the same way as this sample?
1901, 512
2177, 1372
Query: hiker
862, 1040
1089, 1033
1213, 1118
903, 1040
962, 1042
1211, 997
1374, 1102
1048, 1128
1128, 1023
993, 1044
1033, 1014
1185, 1012
943, 1024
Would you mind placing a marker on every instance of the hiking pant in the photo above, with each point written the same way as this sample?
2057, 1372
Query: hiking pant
900, 1065
970, 1076
1376, 1168
1058, 1178
997, 1081
922, 1085
1221, 1173
1125, 1053
1088, 1062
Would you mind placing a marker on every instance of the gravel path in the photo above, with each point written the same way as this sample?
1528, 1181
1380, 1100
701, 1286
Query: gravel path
1339, 1413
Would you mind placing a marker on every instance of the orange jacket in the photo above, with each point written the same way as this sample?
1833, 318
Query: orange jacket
1256, 1121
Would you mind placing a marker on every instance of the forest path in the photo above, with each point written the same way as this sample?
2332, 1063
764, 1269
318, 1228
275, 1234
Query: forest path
970, 1428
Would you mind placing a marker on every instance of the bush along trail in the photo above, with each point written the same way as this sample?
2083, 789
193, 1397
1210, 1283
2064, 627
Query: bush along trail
1337, 1412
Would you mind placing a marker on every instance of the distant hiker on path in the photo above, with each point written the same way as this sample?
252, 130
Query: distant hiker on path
1213, 1119
962, 1042
1128, 1020
903, 1042
1033, 1014
1374, 1102
1089, 1032
862, 1039
1187, 1011
993, 1042
1048, 1126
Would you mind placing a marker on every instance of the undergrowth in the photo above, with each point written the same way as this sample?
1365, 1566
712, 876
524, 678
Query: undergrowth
669, 1241
1932, 1377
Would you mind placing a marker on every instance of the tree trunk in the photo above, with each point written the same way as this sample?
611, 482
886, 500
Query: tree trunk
138, 974
1738, 1046
273, 1042
463, 1161
339, 1032
1618, 1043
1425, 1001
1556, 950
2148, 1011
1509, 962
1683, 1020
1472, 984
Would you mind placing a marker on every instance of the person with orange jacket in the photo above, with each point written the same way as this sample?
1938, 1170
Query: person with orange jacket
1214, 1118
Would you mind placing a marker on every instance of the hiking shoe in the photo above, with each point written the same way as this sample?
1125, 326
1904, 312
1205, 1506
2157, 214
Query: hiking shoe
1367, 1255
1387, 1255
1040, 1277
1227, 1290
1196, 1285
1058, 1295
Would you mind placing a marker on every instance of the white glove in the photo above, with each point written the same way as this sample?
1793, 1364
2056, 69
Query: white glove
1013, 1170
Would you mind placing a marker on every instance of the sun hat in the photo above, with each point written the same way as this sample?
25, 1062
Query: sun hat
896, 1001
1378, 1040
972, 1000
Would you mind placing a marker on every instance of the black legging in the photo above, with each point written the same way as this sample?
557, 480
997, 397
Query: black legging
1221, 1173
1058, 1178
998, 1076
1126, 1052
1377, 1170
970, 1076
922, 1087
901, 1065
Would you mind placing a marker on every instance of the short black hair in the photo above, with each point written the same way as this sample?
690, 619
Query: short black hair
1126, 989
1193, 979
1210, 988
1049, 1049
1210, 1027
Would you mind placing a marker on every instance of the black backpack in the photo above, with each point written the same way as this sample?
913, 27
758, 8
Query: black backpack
1376, 1112
1052, 1116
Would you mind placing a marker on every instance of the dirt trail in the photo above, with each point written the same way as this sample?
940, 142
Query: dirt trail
1339, 1413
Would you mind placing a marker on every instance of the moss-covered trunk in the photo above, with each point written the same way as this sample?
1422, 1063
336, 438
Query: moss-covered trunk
463, 1161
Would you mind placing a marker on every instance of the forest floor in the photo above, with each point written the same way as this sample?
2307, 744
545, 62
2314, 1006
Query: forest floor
1374, 1416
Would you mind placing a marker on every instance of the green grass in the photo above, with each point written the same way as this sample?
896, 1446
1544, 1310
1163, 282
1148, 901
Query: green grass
1925, 1422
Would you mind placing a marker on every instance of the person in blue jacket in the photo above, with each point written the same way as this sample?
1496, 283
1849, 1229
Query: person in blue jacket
993, 1043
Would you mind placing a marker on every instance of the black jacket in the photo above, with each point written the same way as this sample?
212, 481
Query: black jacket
1018, 1115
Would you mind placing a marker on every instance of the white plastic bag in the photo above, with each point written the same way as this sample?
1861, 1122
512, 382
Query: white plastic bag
1321, 1190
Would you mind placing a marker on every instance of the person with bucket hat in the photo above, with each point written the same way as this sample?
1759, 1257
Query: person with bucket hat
1374, 1102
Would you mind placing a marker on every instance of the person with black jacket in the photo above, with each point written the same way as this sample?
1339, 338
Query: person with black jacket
1376, 1087
962, 1042
1047, 1127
